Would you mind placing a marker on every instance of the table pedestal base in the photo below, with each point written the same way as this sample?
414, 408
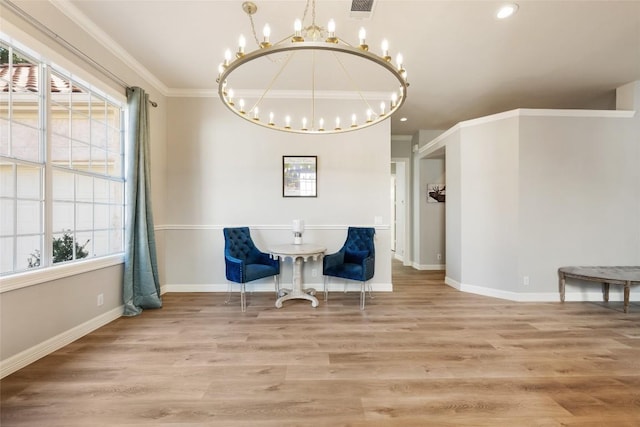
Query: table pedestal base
307, 294
299, 255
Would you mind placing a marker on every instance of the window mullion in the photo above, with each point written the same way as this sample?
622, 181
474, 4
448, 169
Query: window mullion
15, 166
47, 257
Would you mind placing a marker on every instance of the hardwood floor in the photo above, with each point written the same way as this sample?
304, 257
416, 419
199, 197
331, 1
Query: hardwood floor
424, 355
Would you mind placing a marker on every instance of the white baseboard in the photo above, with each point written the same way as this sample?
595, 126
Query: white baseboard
30, 355
575, 295
429, 266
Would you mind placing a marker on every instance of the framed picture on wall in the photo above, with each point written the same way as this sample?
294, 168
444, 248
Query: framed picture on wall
299, 176
436, 193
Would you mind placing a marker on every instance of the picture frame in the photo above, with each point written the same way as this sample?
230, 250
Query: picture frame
436, 193
299, 176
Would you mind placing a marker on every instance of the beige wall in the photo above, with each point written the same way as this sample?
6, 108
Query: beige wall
227, 172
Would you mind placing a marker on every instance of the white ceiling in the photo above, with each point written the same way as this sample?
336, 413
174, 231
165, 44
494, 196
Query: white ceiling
462, 62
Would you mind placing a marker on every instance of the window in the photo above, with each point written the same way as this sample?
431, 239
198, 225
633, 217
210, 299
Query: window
61, 166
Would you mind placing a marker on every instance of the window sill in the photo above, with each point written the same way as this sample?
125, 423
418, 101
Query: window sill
47, 274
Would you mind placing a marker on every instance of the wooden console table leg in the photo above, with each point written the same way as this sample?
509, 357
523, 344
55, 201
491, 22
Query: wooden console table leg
627, 288
561, 284
605, 292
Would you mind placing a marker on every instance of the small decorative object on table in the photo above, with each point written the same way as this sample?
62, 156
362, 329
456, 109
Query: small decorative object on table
298, 229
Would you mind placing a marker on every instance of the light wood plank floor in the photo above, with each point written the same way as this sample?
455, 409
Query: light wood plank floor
424, 355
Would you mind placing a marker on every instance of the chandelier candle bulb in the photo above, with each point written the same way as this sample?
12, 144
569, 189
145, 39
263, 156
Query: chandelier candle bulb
362, 35
255, 114
304, 123
230, 97
331, 28
369, 114
297, 28
337, 123
385, 50
287, 122
242, 42
353, 121
266, 33
271, 118
382, 107
394, 99
321, 124
241, 104
399, 59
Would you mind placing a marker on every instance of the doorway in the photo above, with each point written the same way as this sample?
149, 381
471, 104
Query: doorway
399, 197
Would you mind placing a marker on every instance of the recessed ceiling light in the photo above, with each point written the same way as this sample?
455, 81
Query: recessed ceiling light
403, 119
507, 10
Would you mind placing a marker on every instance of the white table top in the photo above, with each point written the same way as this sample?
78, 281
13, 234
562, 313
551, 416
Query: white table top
292, 249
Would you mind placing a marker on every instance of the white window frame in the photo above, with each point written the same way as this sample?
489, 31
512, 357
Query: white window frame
48, 271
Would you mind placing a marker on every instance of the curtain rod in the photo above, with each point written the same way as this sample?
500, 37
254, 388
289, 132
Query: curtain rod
71, 48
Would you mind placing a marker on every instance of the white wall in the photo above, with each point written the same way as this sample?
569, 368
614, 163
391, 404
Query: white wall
489, 203
453, 213
432, 217
579, 198
428, 220
225, 171
529, 191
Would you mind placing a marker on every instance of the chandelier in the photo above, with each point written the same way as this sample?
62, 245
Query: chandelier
311, 81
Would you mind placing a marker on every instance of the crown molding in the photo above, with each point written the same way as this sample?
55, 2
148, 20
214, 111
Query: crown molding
80, 19
438, 142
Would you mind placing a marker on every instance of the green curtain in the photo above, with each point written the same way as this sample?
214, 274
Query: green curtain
141, 287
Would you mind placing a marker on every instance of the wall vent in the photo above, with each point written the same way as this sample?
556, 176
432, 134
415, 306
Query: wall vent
361, 9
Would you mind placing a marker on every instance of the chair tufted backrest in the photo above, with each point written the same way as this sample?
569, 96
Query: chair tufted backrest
360, 239
238, 243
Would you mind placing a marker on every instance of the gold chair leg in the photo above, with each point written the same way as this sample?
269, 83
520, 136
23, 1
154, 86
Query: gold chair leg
362, 295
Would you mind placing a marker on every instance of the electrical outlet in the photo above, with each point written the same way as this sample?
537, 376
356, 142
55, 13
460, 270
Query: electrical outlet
525, 280
439, 256
100, 299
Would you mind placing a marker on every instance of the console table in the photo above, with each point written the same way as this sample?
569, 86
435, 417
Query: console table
298, 254
625, 276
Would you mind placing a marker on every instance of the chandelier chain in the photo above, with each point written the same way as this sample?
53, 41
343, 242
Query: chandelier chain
253, 30
313, 11
313, 89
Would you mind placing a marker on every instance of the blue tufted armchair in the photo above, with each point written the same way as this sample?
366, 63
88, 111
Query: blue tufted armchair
354, 261
244, 262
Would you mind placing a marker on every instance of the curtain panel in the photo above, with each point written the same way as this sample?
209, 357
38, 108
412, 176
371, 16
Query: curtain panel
141, 285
